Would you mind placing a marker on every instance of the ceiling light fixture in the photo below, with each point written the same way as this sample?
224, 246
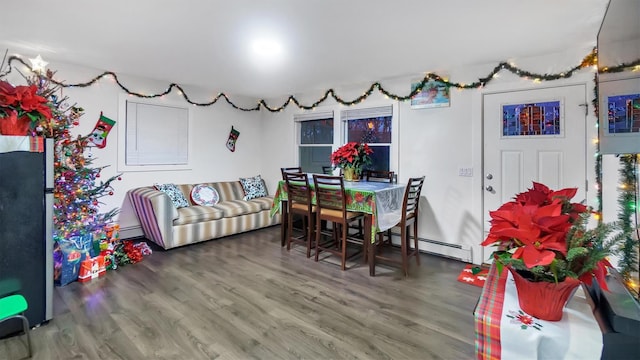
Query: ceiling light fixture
267, 51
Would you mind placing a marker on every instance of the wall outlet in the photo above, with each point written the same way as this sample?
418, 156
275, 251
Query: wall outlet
468, 172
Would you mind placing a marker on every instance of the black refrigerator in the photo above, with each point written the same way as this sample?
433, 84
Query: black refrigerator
26, 228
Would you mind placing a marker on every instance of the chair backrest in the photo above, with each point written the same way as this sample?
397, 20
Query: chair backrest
298, 189
327, 170
290, 170
379, 175
412, 198
330, 193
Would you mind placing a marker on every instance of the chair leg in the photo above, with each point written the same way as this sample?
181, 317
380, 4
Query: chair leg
310, 234
415, 242
289, 230
318, 233
25, 328
404, 242
343, 236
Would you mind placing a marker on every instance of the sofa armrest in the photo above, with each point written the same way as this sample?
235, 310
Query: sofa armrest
155, 212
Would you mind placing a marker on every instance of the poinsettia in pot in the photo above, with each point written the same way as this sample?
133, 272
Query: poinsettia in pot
21, 109
352, 157
543, 239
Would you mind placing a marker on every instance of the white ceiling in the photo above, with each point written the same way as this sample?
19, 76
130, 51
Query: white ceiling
326, 43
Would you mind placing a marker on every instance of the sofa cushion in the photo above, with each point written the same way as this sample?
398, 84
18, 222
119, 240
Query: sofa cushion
196, 214
228, 190
253, 187
233, 208
266, 202
174, 193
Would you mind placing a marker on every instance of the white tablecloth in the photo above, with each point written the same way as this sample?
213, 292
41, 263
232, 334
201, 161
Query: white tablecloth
576, 336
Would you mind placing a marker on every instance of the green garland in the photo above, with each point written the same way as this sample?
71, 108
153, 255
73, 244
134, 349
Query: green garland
628, 202
589, 60
598, 155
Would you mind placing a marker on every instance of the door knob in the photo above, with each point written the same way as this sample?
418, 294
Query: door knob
489, 176
489, 188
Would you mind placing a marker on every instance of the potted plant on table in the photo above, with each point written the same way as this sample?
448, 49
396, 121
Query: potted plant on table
543, 239
352, 157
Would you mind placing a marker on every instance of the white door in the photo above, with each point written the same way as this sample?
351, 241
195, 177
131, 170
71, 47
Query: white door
512, 161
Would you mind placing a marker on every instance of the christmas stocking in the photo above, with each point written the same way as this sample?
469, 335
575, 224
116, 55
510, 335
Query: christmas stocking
99, 134
233, 136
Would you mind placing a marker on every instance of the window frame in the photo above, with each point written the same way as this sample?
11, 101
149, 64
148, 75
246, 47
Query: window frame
313, 115
393, 146
122, 165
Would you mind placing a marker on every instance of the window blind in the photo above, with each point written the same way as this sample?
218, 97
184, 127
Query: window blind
313, 115
366, 113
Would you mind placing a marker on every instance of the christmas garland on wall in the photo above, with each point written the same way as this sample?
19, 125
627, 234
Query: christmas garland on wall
628, 215
589, 60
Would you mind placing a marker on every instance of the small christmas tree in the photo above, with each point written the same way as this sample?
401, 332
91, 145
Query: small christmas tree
76, 187
76, 215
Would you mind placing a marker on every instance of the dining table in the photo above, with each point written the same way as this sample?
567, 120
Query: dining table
380, 202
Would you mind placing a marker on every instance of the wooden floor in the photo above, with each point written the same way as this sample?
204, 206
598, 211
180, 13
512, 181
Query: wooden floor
245, 297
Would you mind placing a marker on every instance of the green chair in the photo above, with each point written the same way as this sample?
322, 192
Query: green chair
14, 306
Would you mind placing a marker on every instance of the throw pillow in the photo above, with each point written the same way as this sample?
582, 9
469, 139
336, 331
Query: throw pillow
176, 196
253, 187
204, 195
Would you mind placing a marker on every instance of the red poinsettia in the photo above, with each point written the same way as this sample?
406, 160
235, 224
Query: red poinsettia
352, 154
542, 231
21, 104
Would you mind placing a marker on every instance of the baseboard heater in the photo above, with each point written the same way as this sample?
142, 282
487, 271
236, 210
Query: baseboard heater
440, 248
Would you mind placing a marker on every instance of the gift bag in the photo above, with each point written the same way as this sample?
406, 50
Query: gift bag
91, 269
68, 256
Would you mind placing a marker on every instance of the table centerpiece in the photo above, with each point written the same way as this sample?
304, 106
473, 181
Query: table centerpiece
352, 157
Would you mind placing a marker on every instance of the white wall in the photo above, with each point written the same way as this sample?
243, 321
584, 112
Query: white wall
432, 142
436, 143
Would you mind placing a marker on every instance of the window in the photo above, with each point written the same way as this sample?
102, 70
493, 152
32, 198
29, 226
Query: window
153, 136
374, 127
315, 140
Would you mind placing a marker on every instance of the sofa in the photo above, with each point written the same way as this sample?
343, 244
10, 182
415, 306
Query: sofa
176, 216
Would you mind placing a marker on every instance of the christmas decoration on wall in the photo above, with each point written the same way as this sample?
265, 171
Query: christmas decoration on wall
628, 215
589, 60
233, 136
98, 136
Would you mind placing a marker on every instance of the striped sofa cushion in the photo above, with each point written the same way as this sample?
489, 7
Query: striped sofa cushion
233, 208
197, 213
227, 190
265, 202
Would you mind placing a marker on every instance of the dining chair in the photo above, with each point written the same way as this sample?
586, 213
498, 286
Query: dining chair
331, 205
327, 170
379, 175
410, 209
300, 203
285, 221
284, 170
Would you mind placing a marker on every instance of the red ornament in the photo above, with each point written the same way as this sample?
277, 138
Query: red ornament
110, 192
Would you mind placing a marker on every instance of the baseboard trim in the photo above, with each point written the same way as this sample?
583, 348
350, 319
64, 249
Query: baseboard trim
131, 232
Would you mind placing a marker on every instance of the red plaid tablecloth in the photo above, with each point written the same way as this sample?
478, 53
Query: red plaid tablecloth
487, 316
